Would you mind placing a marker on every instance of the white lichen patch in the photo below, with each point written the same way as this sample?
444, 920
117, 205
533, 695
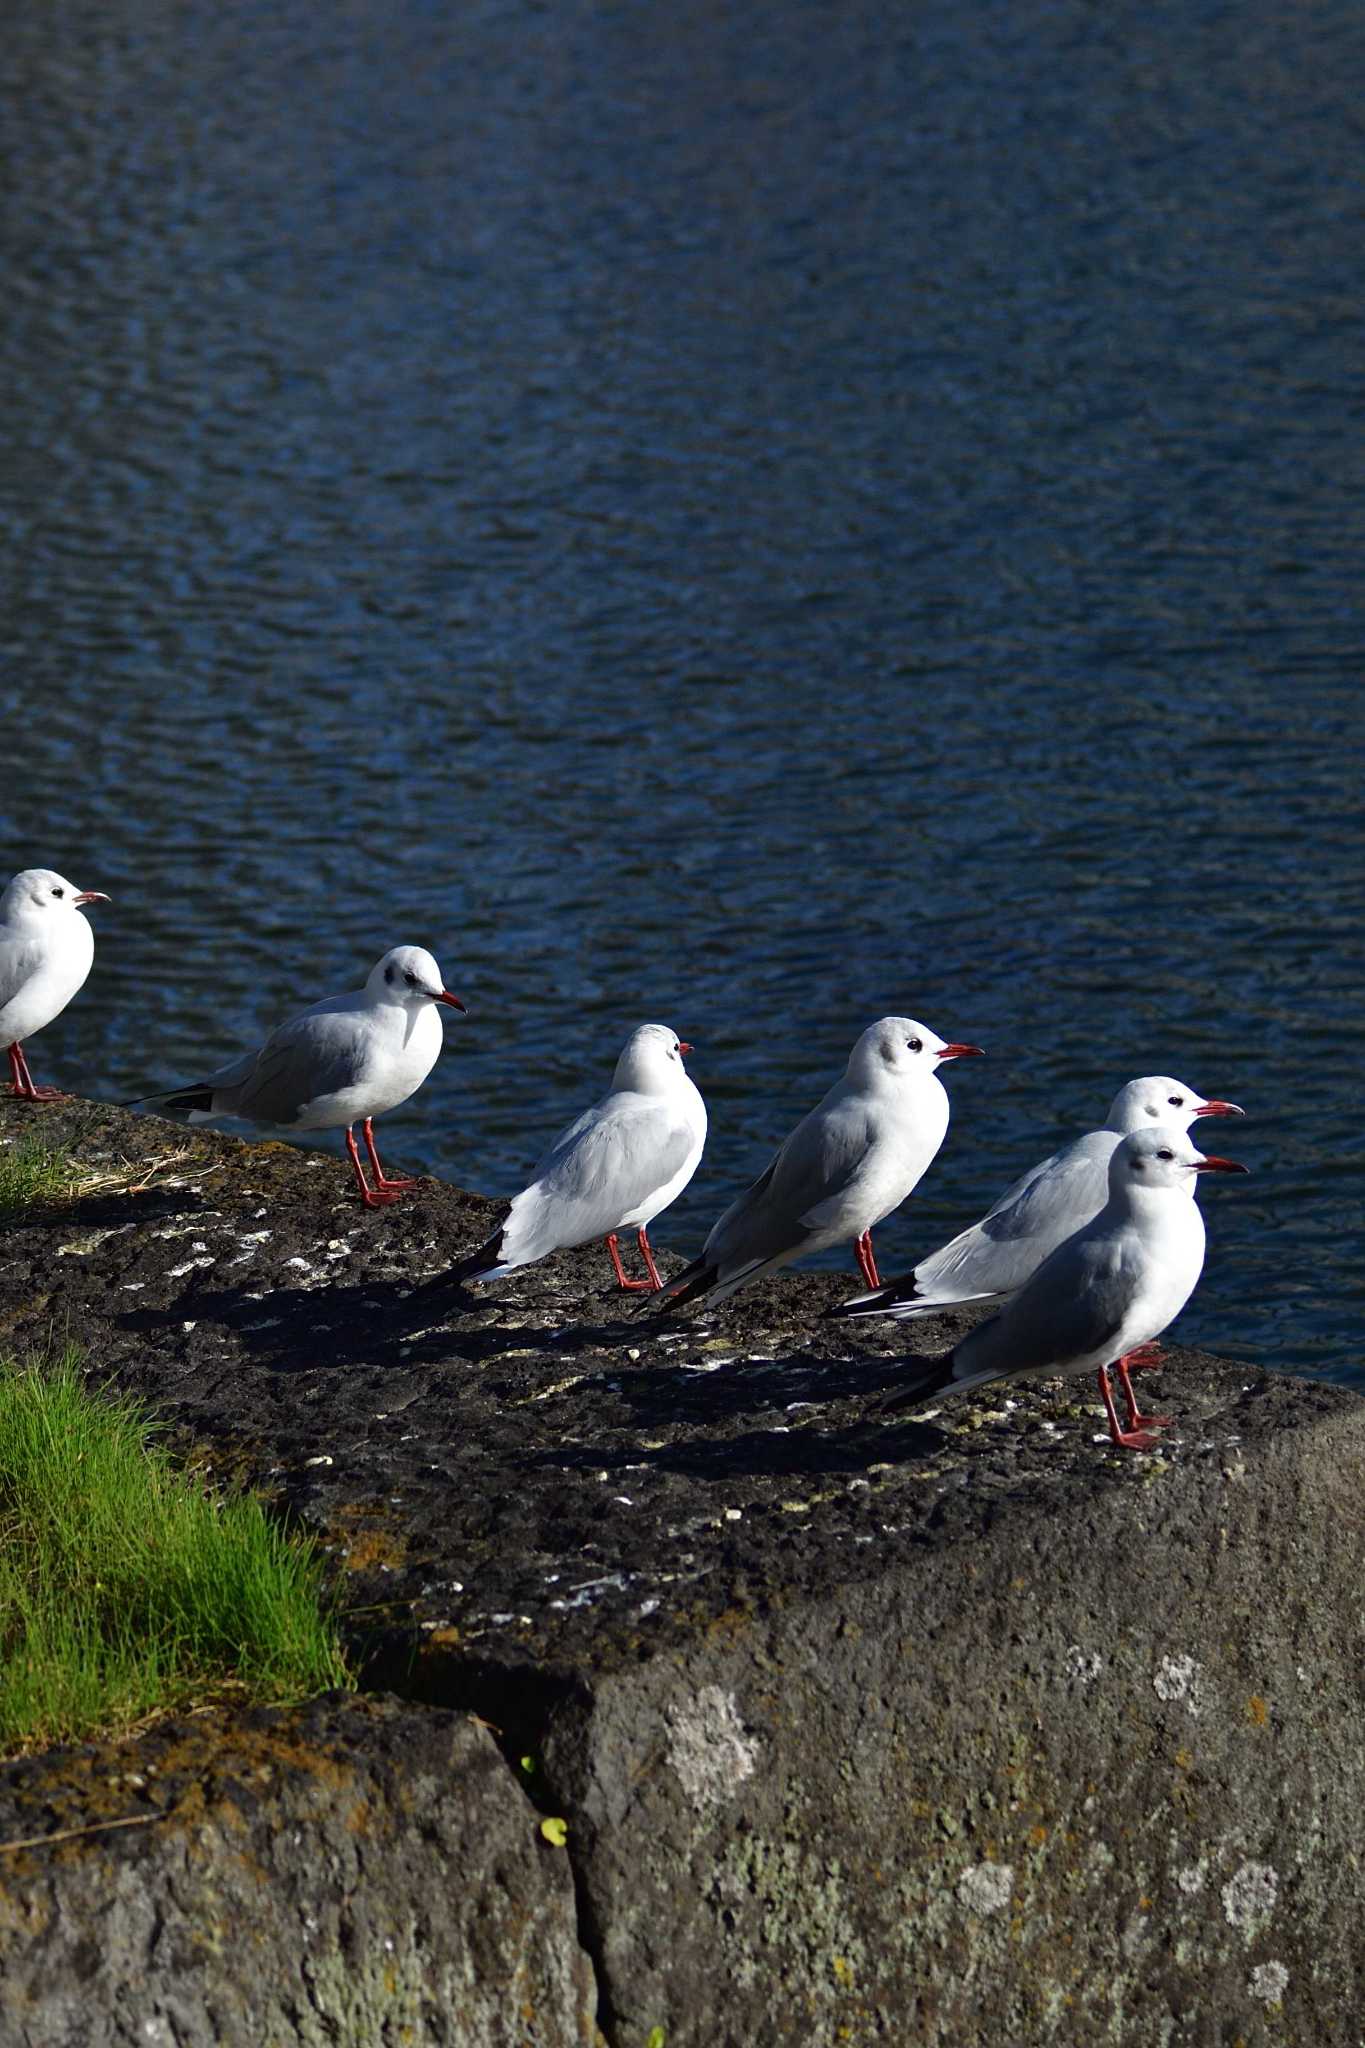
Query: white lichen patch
709, 1747
1268, 1982
1249, 1896
1180, 1681
1083, 1667
1192, 1879
986, 1887
78, 1247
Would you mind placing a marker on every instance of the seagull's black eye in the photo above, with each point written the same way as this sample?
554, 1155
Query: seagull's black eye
410, 979
1175, 1101
59, 892
1165, 1153
388, 974
915, 1044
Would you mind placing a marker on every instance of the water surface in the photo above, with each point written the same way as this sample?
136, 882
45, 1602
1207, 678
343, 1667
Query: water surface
754, 518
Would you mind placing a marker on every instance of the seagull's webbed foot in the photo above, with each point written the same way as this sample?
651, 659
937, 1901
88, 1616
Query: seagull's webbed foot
623, 1281
1133, 1438
1136, 1419
23, 1087
867, 1264
395, 1182
372, 1198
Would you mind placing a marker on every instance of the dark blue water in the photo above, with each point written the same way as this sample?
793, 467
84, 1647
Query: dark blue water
751, 517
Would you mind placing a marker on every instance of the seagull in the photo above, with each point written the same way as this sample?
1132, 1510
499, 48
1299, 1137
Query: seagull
1104, 1296
46, 950
345, 1060
844, 1168
616, 1167
1052, 1200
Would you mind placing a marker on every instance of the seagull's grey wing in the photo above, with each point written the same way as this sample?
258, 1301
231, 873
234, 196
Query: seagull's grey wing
20, 958
602, 1169
314, 1055
1073, 1306
1044, 1207
813, 1168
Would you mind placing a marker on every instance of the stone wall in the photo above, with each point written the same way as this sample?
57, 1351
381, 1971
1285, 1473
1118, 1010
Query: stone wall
963, 1728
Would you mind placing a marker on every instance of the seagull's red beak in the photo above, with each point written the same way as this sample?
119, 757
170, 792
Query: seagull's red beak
683, 1046
1212, 1164
959, 1052
1219, 1108
91, 896
454, 1001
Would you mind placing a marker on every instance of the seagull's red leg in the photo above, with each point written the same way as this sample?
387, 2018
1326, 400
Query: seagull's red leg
1127, 1440
1136, 1420
23, 1084
628, 1286
647, 1255
373, 1198
862, 1247
381, 1179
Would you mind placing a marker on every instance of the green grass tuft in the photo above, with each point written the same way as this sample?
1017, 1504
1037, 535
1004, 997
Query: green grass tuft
127, 1589
31, 1174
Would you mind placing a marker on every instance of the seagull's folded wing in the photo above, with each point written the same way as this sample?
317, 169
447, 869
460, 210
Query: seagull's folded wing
1071, 1310
793, 1197
20, 958
312, 1056
1042, 1209
604, 1168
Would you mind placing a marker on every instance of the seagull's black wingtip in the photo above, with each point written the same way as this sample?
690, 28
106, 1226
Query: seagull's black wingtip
684, 1287
880, 1301
481, 1260
932, 1377
178, 1100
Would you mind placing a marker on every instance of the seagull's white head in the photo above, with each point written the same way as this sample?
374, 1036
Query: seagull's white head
409, 974
42, 893
651, 1058
899, 1048
1161, 1157
1160, 1099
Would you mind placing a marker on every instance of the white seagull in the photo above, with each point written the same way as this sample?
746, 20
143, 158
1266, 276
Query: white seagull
844, 1168
1103, 1296
1040, 1211
616, 1167
345, 1060
46, 950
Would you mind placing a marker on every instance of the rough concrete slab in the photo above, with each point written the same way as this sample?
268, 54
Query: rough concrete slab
966, 1728
357, 1874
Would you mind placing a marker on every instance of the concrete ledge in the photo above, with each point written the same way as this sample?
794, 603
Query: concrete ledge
964, 1729
1091, 1771
353, 1874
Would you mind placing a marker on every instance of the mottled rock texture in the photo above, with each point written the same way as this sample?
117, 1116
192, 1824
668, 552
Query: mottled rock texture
357, 1874
960, 1729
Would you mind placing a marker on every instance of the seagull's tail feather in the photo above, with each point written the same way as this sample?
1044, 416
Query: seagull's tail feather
929, 1376
904, 1300
703, 1281
484, 1263
894, 1298
687, 1286
180, 1101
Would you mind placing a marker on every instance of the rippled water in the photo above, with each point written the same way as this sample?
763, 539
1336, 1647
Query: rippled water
752, 517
